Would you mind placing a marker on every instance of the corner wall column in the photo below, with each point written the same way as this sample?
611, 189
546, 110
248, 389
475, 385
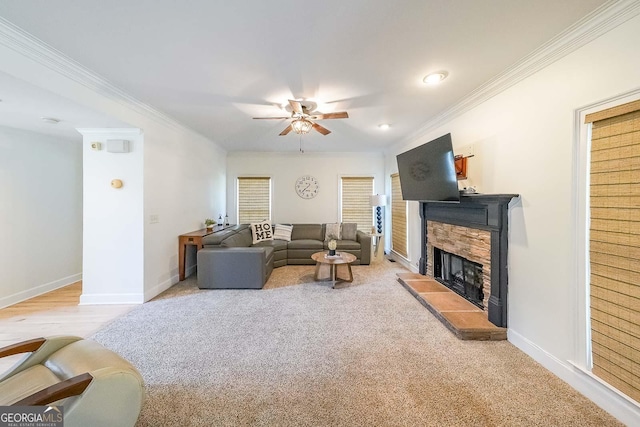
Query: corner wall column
113, 217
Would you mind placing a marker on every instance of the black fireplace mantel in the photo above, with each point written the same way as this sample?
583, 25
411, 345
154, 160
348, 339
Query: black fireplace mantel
485, 212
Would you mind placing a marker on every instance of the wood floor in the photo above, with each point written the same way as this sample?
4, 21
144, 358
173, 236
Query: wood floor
54, 313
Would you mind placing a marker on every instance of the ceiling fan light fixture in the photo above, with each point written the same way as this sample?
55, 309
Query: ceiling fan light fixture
301, 126
435, 78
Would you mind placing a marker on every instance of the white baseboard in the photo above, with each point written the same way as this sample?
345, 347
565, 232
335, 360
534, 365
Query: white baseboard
39, 290
405, 262
101, 299
160, 288
135, 298
612, 401
189, 271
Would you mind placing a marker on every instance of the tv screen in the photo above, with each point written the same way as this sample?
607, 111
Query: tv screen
428, 173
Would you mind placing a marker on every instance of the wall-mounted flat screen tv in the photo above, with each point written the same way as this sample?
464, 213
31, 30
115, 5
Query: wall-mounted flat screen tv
428, 173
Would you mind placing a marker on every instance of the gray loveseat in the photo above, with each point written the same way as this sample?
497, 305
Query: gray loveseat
230, 260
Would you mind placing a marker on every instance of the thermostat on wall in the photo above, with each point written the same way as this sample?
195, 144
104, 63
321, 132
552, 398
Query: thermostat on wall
117, 146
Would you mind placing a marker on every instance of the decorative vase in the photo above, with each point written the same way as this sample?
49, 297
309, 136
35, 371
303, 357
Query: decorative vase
332, 245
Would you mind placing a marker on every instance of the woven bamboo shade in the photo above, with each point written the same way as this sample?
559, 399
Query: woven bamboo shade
398, 218
254, 199
615, 247
356, 192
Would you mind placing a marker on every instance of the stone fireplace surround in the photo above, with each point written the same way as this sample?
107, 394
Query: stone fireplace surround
477, 228
470, 243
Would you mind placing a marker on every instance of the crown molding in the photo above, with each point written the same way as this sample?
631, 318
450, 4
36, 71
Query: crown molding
35, 49
110, 132
600, 21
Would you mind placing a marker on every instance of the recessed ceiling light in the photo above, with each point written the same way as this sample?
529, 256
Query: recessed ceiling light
435, 78
50, 120
384, 126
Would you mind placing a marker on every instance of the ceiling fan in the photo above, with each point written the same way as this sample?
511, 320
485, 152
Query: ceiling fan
303, 116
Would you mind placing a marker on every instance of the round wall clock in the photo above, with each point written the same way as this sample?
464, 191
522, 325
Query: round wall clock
307, 187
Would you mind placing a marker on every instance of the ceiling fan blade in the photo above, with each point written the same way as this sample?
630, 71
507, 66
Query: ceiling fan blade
338, 115
286, 130
271, 118
321, 129
296, 107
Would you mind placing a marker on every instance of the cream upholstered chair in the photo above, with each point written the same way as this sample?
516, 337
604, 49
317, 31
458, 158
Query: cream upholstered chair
95, 386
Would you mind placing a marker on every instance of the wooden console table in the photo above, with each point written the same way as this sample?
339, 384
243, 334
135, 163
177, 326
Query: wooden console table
193, 238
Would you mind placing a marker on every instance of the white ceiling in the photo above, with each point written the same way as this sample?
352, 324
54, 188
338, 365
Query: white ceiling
23, 106
213, 65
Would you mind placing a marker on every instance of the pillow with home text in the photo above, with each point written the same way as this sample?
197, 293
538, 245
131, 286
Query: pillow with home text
261, 231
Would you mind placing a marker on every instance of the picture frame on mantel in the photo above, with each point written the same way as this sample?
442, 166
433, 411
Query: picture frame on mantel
460, 163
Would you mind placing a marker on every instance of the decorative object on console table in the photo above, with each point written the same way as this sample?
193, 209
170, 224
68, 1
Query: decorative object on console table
209, 223
378, 201
226, 220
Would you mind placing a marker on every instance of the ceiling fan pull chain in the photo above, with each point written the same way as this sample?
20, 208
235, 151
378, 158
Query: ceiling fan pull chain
301, 150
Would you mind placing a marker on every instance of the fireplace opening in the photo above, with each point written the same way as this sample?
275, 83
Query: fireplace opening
460, 275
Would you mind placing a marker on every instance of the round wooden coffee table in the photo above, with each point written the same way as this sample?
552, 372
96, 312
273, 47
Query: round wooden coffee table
343, 258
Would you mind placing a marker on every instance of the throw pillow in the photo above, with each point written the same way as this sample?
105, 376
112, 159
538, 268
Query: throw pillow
349, 230
283, 232
261, 231
332, 232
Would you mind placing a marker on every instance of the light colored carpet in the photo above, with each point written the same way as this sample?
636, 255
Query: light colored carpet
302, 354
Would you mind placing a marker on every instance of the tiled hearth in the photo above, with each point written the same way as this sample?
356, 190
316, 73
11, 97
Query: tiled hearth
464, 319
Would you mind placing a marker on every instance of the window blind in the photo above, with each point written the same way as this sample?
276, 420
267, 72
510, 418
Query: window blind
398, 218
254, 199
356, 207
615, 247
